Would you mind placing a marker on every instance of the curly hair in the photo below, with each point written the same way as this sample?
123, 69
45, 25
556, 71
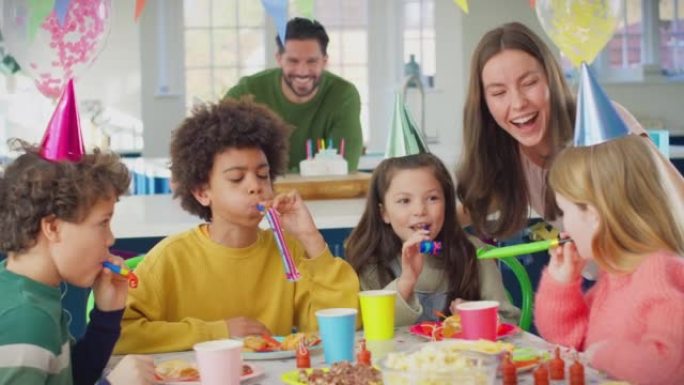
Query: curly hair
33, 188
212, 129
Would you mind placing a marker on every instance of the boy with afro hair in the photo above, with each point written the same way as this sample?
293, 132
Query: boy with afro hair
225, 278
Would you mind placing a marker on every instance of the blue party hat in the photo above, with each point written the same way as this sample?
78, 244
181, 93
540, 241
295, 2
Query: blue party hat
597, 121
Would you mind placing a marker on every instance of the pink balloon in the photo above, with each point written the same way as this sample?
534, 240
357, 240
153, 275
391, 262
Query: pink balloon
57, 52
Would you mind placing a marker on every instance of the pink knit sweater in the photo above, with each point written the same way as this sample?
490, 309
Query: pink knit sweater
638, 318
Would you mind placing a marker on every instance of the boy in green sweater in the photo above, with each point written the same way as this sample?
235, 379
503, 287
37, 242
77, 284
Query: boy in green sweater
225, 278
55, 227
319, 104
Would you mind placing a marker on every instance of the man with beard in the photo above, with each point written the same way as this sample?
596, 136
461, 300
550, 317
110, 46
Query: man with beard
319, 104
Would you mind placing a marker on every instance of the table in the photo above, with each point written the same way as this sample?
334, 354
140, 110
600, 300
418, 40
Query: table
403, 341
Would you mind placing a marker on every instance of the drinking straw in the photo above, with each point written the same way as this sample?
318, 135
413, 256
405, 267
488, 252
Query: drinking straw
308, 149
291, 272
515, 250
342, 147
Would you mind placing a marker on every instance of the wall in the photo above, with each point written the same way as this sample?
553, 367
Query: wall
126, 74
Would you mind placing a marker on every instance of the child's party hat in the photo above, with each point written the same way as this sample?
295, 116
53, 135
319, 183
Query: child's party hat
62, 140
597, 121
404, 137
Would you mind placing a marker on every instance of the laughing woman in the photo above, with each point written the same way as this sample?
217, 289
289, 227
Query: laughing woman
519, 114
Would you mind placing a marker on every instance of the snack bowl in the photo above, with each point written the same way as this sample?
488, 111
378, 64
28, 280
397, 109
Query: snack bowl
439, 363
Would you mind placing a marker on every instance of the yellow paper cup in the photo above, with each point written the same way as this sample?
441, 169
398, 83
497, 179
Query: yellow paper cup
377, 314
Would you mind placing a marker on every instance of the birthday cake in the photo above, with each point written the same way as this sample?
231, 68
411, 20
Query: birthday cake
326, 162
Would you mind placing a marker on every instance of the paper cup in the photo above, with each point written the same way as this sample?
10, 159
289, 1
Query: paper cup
377, 314
478, 319
219, 362
337, 327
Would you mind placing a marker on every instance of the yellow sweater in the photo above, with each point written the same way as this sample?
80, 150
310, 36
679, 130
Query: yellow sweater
189, 285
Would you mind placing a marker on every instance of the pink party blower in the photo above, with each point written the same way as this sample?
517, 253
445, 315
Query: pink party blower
62, 140
479, 319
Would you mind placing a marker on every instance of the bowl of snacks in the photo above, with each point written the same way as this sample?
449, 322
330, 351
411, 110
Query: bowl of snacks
439, 363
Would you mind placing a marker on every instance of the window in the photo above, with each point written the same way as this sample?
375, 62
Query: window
672, 37
224, 40
629, 52
624, 49
346, 23
419, 35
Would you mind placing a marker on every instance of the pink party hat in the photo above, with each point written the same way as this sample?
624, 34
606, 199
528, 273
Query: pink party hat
62, 140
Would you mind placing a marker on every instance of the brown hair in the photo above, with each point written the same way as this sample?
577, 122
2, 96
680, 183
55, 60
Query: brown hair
620, 179
33, 188
212, 129
490, 175
373, 243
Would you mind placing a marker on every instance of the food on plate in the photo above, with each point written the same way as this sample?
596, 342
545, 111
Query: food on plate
261, 343
292, 341
181, 371
481, 346
528, 357
451, 326
177, 370
438, 363
266, 343
342, 373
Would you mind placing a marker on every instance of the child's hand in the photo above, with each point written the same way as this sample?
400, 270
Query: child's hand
454, 303
566, 264
133, 370
110, 289
411, 263
296, 219
244, 326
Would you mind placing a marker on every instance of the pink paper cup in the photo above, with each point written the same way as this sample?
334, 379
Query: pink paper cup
479, 319
219, 362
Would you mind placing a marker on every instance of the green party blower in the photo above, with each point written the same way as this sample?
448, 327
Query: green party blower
515, 250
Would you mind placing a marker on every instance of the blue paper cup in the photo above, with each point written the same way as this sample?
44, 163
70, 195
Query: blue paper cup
337, 327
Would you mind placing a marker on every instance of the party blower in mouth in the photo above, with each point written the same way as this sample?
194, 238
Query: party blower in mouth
124, 272
515, 250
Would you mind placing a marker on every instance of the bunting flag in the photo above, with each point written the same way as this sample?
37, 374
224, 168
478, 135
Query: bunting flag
277, 10
463, 4
305, 8
38, 11
139, 6
61, 8
596, 120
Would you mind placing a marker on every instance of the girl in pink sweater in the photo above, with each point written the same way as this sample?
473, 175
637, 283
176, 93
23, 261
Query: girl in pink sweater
620, 214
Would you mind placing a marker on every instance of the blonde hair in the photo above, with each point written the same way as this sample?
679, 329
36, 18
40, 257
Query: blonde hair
638, 214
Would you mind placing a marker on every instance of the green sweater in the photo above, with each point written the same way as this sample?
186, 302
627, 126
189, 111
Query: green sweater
333, 113
34, 339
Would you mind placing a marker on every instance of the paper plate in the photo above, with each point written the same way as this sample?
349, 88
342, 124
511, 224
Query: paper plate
424, 329
292, 377
526, 359
256, 372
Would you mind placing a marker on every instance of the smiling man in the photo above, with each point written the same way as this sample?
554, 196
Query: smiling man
319, 104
